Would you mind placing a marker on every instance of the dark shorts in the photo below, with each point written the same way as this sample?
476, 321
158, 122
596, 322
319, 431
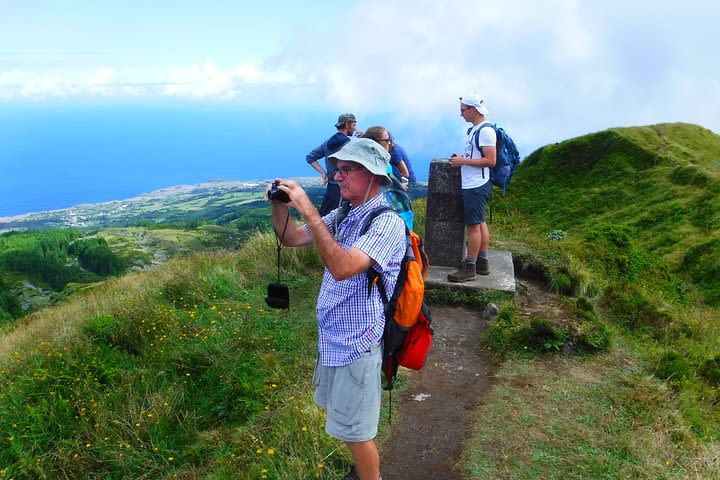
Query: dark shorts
330, 200
474, 203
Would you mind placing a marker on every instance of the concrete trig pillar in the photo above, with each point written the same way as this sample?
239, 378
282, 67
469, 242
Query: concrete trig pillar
444, 226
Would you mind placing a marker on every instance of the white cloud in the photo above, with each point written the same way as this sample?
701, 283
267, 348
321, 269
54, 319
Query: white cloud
204, 80
549, 69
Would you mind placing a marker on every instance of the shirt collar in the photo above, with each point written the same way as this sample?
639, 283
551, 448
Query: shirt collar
367, 207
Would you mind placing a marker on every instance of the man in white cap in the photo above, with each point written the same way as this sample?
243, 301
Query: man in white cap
350, 321
346, 125
475, 164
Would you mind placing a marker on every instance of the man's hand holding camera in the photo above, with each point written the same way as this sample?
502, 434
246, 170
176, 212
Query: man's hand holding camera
291, 194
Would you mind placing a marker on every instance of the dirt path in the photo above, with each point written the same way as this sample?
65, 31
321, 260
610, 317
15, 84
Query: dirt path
427, 445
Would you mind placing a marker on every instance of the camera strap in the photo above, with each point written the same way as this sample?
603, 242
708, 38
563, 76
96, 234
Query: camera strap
278, 242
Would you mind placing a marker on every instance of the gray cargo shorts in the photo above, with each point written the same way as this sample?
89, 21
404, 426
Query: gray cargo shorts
351, 396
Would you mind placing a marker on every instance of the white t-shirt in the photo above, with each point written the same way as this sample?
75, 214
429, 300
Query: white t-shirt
473, 177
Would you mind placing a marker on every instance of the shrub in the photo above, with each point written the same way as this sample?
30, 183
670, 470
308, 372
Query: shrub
10, 306
672, 366
611, 249
594, 336
544, 336
710, 370
629, 307
538, 335
419, 207
561, 282
702, 262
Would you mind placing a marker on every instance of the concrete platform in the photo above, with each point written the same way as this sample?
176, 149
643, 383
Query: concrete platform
502, 275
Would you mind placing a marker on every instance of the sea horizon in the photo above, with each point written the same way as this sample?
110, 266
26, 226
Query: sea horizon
57, 156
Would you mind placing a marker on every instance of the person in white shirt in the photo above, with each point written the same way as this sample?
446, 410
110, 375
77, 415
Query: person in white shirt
475, 164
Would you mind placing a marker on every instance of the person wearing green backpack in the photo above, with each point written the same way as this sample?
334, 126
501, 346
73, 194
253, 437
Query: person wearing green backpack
396, 190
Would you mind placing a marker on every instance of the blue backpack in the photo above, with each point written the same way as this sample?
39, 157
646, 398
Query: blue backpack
507, 158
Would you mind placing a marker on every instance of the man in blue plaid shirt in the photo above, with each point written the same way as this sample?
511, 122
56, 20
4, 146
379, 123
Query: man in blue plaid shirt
350, 322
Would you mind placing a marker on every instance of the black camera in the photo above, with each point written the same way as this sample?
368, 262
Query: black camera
278, 296
276, 194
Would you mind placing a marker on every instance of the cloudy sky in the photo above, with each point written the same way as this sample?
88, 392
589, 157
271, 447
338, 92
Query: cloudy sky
549, 70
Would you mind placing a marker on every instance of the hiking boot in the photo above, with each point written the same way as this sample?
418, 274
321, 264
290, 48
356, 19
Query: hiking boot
464, 274
352, 474
482, 266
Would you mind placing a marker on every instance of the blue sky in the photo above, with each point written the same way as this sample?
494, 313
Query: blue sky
548, 70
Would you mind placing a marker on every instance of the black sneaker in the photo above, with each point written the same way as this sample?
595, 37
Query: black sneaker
352, 474
464, 274
482, 266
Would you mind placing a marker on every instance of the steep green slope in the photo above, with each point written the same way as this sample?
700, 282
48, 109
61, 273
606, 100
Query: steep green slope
625, 223
655, 187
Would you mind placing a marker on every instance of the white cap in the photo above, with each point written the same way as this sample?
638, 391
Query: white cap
475, 100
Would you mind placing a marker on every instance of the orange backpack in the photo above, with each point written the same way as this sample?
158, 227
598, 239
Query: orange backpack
408, 323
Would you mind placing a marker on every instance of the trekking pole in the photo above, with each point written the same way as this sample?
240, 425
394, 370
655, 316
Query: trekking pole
390, 407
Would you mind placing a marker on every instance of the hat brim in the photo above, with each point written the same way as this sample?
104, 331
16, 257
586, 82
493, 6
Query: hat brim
349, 157
480, 108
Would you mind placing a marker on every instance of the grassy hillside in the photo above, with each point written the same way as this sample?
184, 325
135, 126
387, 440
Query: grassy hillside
629, 220
181, 371
625, 224
178, 371
653, 192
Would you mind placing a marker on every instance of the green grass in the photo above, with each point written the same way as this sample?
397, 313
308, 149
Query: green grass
624, 224
181, 372
588, 417
185, 372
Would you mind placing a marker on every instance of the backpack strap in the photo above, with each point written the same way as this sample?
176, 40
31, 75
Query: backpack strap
476, 136
373, 275
342, 212
373, 215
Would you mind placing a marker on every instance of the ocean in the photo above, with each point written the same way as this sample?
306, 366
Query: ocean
58, 155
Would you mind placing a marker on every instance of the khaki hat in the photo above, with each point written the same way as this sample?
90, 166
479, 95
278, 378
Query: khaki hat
345, 117
367, 153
